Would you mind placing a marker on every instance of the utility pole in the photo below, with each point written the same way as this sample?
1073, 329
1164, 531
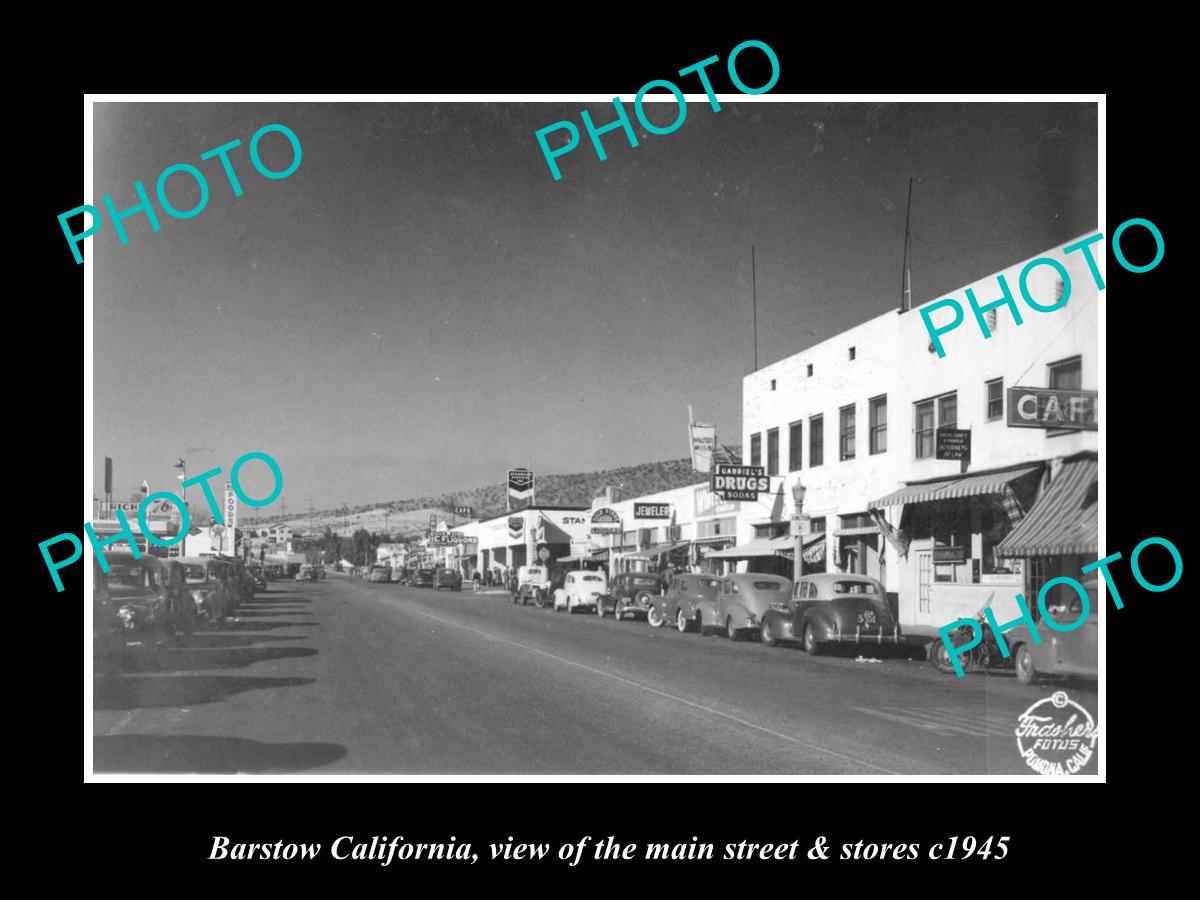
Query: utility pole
754, 297
906, 277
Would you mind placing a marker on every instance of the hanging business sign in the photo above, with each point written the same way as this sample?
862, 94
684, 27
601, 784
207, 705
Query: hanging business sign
949, 554
520, 488
467, 512
652, 510
953, 443
229, 543
1052, 408
739, 482
605, 521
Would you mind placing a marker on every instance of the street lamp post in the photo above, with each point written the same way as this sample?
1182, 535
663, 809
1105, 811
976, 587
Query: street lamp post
799, 527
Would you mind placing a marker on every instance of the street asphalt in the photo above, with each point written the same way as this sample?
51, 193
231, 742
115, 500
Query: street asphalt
344, 676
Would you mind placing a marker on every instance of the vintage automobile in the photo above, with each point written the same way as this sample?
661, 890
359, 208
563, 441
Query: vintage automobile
377, 574
690, 601
306, 573
744, 598
582, 589
531, 583
320, 570
273, 571
138, 603
1060, 652
831, 608
447, 578
423, 578
259, 578
209, 581
629, 593
398, 574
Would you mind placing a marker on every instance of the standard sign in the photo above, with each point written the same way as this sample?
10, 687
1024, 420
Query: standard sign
605, 521
740, 482
652, 510
1048, 408
953, 443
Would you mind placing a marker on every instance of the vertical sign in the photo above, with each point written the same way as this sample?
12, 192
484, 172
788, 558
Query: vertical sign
520, 488
229, 538
107, 476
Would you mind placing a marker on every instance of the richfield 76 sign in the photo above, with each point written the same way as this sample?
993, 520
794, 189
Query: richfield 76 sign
739, 482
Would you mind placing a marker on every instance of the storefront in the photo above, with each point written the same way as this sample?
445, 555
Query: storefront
949, 531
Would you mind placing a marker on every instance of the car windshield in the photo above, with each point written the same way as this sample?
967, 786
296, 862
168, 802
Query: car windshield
644, 581
592, 578
196, 575
854, 587
126, 576
768, 586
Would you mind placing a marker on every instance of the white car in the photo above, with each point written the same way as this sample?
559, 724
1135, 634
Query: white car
581, 590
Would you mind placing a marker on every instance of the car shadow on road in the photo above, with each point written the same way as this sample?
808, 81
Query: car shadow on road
243, 612
203, 754
254, 625
190, 659
126, 692
216, 639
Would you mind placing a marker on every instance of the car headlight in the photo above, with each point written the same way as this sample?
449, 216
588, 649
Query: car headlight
833, 627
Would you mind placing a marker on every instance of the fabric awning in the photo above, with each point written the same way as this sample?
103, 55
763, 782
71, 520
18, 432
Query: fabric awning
956, 487
656, 550
600, 555
573, 560
814, 548
856, 532
716, 539
756, 547
1065, 520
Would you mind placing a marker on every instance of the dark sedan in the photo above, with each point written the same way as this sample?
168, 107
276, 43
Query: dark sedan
629, 593
447, 578
832, 608
423, 578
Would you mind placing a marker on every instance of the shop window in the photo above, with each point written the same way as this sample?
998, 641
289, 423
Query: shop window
816, 441
995, 526
878, 424
846, 432
756, 449
995, 399
795, 445
816, 525
928, 417
1066, 375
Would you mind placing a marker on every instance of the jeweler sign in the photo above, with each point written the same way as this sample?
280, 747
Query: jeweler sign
739, 482
1052, 408
652, 510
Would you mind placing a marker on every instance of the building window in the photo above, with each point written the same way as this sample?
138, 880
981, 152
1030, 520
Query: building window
773, 451
995, 399
795, 445
816, 441
1066, 375
928, 417
772, 384
756, 449
808, 368
816, 525
851, 353
878, 424
846, 432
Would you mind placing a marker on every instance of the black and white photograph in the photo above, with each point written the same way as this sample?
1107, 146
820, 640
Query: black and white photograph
708, 433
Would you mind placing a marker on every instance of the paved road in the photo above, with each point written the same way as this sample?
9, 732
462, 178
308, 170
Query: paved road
346, 676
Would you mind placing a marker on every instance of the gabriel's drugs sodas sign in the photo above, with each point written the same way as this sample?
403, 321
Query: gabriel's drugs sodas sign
740, 482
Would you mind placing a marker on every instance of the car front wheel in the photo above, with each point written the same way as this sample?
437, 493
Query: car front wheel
768, 639
811, 646
682, 622
1024, 665
730, 632
654, 617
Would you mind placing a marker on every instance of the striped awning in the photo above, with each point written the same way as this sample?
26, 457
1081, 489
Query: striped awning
956, 487
1065, 520
715, 539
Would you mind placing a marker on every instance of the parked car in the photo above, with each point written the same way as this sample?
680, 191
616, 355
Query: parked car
306, 574
582, 589
689, 602
423, 578
207, 579
1060, 652
831, 608
532, 583
138, 604
320, 570
744, 598
447, 578
379, 574
629, 593
259, 578
397, 575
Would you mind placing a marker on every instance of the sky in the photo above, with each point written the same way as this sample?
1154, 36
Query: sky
420, 306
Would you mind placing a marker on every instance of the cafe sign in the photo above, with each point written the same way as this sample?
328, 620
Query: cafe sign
739, 482
605, 521
1052, 408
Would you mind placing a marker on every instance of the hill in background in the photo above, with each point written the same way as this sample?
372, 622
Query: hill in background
411, 516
